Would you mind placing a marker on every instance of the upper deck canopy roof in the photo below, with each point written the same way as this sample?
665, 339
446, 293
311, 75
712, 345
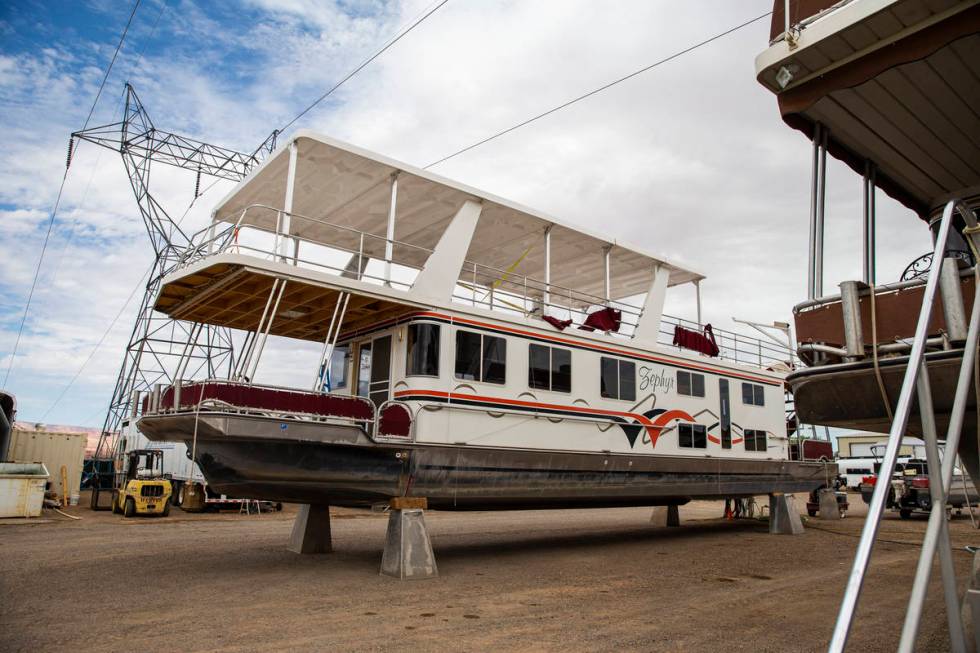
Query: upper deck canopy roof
344, 185
896, 82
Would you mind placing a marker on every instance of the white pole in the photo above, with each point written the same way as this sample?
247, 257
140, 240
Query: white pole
605, 255
697, 292
288, 202
390, 235
547, 270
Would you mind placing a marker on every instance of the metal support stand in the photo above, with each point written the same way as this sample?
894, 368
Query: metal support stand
311, 530
784, 518
916, 386
828, 508
668, 516
408, 550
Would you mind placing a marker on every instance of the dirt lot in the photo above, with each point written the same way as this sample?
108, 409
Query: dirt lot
556, 580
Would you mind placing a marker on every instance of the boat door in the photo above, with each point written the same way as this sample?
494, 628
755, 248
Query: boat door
374, 370
726, 414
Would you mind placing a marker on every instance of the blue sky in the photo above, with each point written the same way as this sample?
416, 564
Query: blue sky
690, 159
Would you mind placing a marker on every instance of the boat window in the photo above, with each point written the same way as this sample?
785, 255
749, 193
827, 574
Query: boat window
690, 384
494, 359
549, 368
692, 436
753, 395
617, 379
480, 357
339, 364
364, 370
755, 440
423, 350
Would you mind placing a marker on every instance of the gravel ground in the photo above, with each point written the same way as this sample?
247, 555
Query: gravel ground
602, 580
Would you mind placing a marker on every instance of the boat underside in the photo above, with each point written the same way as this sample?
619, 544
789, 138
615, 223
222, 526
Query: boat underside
318, 462
848, 395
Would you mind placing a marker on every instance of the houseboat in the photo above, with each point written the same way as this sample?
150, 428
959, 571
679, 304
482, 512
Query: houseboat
473, 352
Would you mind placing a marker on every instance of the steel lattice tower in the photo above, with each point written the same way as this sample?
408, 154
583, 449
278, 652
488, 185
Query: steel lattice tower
158, 342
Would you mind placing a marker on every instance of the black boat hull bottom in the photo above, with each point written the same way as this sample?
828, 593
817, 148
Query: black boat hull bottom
317, 463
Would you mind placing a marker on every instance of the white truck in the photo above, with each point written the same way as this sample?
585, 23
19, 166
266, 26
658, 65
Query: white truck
191, 491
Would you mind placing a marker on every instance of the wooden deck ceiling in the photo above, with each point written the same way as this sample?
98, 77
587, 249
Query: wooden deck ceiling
234, 296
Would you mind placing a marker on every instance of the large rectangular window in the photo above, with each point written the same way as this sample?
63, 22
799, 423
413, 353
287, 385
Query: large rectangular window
690, 384
617, 379
692, 436
549, 368
423, 350
753, 395
755, 440
480, 357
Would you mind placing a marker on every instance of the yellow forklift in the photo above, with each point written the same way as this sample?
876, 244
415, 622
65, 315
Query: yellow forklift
141, 488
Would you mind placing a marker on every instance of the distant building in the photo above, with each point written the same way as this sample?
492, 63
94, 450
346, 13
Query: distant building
858, 444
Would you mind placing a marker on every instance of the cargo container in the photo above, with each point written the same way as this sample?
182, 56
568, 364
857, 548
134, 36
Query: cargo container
36, 443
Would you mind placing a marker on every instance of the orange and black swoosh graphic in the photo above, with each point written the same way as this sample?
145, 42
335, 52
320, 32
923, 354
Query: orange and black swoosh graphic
653, 422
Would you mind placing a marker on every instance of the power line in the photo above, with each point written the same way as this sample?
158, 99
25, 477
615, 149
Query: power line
112, 61
599, 90
98, 345
57, 203
132, 293
367, 61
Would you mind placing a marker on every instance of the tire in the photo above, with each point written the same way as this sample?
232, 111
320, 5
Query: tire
130, 508
905, 513
166, 510
115, 503
176, 496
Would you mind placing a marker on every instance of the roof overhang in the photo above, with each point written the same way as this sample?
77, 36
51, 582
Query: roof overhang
347, 186
896, 84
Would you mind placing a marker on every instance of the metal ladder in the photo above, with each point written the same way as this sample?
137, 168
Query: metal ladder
940, 473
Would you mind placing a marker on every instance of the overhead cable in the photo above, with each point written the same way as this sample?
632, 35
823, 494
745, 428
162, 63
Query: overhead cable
57, 203
367, 61
599, 90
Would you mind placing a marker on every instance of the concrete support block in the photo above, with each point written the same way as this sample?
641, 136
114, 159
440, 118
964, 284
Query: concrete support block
311, 530
408, 551
784, 518
828, 508
666, 516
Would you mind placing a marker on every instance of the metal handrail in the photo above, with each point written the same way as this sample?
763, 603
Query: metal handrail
916, 379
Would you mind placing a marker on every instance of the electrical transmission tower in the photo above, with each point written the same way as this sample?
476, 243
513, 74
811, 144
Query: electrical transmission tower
157, 342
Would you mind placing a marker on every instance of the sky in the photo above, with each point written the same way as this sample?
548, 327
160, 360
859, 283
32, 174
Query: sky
689, 159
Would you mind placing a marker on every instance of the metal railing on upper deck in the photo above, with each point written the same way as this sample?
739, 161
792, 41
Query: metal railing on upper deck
734, 347
351, 253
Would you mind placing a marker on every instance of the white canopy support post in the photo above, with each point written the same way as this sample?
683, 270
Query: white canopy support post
390, 233
869, 223
439, 275
811, 282
605, 262
546, 296
287, 210
648, 328
821, 212
697, 296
